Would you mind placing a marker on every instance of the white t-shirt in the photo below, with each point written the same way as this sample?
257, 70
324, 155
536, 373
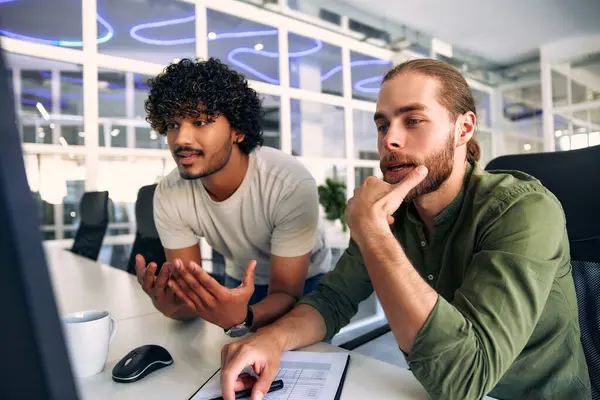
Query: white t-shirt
275, 211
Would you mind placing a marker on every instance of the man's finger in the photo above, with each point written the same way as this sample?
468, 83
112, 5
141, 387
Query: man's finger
262, 385
160, 285
225, 355
248, 280
244, 382
199, 295
187, 280
396, 196
230, 373
182, 295
170, 296
148, 282
140, 267
208, 282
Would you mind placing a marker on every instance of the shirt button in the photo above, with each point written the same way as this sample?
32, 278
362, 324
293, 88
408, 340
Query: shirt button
423, 243
430, 277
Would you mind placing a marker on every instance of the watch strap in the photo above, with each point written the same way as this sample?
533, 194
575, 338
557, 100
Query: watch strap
246, 324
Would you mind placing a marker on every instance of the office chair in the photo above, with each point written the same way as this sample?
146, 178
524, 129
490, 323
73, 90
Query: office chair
93, 209
574, 178
147, 242
218, 267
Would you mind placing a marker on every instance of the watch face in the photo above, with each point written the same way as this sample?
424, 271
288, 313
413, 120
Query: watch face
238, 331
243, 328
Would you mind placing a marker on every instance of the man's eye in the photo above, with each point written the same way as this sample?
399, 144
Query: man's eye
171, 125
382, 128
413, 121
199, 123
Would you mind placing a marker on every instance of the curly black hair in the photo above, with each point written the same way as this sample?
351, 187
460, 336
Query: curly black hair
182, 87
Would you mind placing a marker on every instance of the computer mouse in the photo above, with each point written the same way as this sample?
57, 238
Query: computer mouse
140, 362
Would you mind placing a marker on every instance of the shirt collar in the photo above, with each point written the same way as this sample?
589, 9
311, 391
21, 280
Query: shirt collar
451, 211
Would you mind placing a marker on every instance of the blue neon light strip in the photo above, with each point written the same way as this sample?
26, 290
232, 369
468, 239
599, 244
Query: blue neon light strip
248, 50
79, 81
34, 102
353, 64
141, 84
231, 56
359, 86
45, 94
159, 24
63, 43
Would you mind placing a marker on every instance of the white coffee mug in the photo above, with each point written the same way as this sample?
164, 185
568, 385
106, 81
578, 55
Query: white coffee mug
88, 334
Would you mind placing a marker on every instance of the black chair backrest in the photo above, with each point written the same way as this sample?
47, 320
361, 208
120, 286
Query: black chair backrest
218, 267
574, 178
93, 210
147, 242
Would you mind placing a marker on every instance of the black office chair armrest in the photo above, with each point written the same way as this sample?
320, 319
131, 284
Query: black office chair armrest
366, 337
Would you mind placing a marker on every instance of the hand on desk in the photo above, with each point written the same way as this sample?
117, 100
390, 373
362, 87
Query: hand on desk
156, 287
209, 299
262, 352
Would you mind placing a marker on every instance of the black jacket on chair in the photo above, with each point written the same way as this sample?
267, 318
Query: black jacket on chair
574, 178
93, 210
147, 242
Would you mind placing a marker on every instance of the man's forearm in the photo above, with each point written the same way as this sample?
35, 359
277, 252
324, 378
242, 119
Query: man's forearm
270, 308
405, 297
299, 328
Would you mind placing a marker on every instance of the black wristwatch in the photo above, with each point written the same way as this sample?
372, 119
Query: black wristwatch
243, 328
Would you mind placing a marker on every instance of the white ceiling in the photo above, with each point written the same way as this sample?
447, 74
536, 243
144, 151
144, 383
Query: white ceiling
503, 32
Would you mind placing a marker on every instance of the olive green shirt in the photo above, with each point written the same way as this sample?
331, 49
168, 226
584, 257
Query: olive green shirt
505, 323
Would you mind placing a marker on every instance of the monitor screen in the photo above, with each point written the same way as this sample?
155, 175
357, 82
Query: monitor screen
34, 362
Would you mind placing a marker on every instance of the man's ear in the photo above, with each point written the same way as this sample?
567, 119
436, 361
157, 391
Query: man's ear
467, 123
238, 137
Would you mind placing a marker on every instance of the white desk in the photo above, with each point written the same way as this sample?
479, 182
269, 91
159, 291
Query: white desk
82, 284
196, 350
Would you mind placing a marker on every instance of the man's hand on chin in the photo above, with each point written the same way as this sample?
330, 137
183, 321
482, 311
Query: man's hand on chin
369, 211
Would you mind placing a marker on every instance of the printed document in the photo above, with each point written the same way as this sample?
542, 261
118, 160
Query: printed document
305, 375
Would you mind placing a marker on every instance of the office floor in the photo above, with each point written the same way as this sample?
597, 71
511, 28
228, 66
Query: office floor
385, 349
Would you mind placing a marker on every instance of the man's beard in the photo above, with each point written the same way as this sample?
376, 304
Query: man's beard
439, 166
222, 158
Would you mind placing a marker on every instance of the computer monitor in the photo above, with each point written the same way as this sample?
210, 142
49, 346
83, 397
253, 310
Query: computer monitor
34, 362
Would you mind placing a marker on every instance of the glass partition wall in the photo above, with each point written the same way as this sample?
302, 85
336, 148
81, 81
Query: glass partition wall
80, 83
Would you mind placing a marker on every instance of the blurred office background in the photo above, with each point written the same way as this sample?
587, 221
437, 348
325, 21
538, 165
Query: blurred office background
79, 70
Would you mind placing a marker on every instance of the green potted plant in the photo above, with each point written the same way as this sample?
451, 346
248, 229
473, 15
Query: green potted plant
332, 196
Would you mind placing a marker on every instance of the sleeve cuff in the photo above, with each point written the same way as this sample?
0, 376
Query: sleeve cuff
320, 305
442, 330
174, 243
286, 251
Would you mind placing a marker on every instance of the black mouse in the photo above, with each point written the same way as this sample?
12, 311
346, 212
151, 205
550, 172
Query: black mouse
140, 362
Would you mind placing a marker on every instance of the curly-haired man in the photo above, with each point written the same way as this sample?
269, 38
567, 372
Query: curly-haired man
255, 205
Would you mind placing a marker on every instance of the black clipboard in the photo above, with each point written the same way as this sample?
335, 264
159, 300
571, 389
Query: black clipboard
204, 384
338, 394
